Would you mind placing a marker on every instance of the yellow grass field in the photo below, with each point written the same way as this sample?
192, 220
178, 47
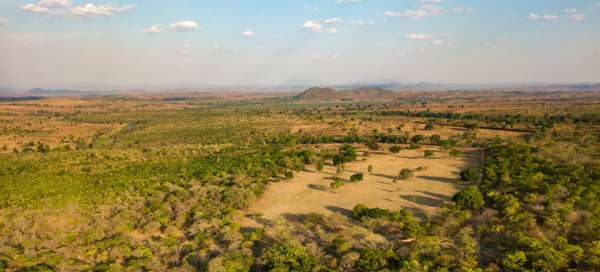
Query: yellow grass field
310, 192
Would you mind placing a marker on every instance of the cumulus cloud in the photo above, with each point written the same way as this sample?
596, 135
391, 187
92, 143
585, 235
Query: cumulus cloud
316, 26
176, 26
248, 33
332, 21
363, 22
184, 25
3, 21
91, 10
427, 10
415, 36
67, 8
155, 29
544, 17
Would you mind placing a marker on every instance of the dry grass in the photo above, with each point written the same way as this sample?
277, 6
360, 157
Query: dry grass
309, 191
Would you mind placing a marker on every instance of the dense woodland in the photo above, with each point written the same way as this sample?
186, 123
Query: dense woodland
168, 189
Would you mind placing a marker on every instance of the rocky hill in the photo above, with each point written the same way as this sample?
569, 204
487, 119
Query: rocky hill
317, 94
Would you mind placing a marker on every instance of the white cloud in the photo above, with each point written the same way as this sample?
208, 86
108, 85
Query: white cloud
316, 26
3, 21
427, 10
248, 33
570, 11
332, 21
431, 1
415, 36
184, 25
363, 22
545, 17
91, 10
577, 17
66, 8
348, 1
155, 29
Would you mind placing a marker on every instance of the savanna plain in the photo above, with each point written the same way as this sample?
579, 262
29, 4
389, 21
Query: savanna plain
430, 181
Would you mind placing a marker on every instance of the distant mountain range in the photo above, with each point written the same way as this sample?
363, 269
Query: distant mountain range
56, 92
368, 90
317, 94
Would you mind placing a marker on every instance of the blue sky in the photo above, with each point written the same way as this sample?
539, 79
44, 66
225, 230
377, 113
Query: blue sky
125, 43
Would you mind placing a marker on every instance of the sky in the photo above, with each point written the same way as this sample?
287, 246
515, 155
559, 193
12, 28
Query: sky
149, 43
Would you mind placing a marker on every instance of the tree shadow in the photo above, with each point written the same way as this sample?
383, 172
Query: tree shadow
259, 219
333, 177
439, 196
317, 187
408, 157
418, 213
423, 200
384, 176
342, 211
440, 179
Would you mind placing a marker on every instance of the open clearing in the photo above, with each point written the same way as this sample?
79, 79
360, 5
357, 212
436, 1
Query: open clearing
310, 190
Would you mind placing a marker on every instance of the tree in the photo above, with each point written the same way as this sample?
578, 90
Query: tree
289, 175
395, 149
372, 144
514, 261
470, 175
346, 153
336, 184
435, 139
320, 166
417, 139
357, 177
405, 174
429, 125
469, 198
282, 258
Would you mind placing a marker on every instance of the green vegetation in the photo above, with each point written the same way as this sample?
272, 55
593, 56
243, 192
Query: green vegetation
168, 189
395, 149
406, 174
357, 177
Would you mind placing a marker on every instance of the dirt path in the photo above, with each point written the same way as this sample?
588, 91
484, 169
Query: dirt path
424, 193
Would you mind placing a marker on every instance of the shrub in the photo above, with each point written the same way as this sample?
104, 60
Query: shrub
357, 177
336, 184
395, 149
469, 198
428, 153
406, 174
470, 175
374, 259
281, 257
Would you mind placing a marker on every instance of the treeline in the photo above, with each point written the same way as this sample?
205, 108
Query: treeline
503, 120
19, 98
